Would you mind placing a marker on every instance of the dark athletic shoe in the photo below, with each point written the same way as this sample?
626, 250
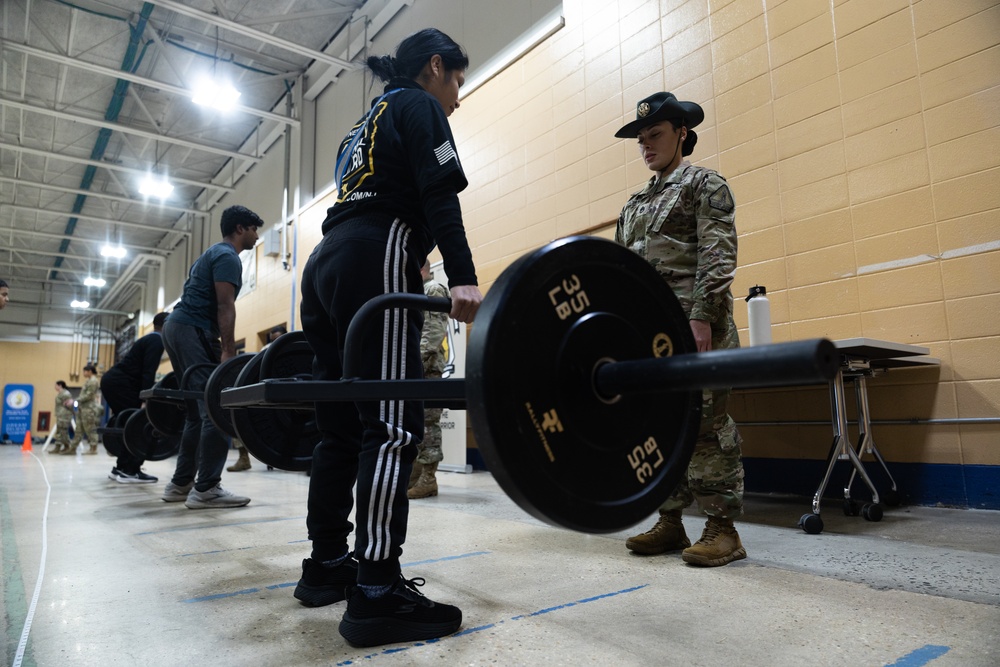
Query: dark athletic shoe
403, 614
320, 586
128, 478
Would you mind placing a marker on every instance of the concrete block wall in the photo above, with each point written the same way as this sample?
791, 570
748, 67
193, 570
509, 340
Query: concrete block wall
862, 141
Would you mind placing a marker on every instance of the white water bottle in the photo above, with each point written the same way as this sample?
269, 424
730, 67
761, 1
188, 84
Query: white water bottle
759, 315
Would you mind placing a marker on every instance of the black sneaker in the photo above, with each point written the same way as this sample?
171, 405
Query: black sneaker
146, 479
401, 615
320, 586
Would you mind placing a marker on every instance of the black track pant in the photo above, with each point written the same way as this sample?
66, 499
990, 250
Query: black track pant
373, 443
120, 395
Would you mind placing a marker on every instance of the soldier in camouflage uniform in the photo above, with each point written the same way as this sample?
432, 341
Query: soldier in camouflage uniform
64, 414
682, 222
89, 404
423, 482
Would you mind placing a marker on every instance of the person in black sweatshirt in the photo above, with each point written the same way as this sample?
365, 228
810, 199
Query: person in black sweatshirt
398, 176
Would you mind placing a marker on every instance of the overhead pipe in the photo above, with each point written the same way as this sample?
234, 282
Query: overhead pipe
285, 204
933, 421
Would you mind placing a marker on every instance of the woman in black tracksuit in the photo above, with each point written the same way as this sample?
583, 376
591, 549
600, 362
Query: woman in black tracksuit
399, 177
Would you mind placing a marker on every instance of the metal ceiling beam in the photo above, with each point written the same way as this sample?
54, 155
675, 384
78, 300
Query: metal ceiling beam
259, 35
46, 269
83, 259
76, 118
91, 193
76, 237
377, 13
141, 80
122, 223
180, 38
283, 18
107, 165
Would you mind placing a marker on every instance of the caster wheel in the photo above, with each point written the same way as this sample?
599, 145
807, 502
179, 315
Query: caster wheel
811, 523
851, 508
872, 512
891, 498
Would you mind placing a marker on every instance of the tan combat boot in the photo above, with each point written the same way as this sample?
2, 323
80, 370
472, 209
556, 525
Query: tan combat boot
415, 474
70, 451
667, 535
242, 463
92, 450
426, 485
719, 544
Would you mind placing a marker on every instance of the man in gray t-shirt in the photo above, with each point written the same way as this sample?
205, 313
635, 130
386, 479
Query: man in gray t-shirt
200, 330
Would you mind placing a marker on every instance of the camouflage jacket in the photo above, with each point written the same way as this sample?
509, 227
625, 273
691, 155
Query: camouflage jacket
64, 413
684, 225
89, 396
435, 331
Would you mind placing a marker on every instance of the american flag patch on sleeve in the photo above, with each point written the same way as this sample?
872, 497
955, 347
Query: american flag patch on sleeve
445, 152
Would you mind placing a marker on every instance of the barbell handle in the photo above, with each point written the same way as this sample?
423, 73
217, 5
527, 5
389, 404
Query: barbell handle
804, 362
375, 306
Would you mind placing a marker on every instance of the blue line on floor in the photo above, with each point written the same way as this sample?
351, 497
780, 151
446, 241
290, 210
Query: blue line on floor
217, 525
469, 631
446, 558
208, 553
247, 591
573, 604
921, 656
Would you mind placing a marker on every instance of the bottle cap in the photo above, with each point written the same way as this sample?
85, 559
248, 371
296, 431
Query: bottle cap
756, 290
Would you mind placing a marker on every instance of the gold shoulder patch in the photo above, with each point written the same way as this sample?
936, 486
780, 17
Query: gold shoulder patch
722, 200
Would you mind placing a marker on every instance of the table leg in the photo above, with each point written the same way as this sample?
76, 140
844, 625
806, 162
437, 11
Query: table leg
840, 448
866, 443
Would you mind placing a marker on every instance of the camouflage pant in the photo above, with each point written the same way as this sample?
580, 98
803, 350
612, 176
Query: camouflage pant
62, 432
86, 427
715, 474
429, 450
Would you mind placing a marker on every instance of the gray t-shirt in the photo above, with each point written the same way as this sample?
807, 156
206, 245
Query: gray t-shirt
198, 306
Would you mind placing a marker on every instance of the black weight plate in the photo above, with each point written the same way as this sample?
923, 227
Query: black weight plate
292, 343
279, 437
223, 377
563, 453
114, 438
166, 416
145, 442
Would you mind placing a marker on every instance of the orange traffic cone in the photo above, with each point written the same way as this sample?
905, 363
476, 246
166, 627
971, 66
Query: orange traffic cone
26, 447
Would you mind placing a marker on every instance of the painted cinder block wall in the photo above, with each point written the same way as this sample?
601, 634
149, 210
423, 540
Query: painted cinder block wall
861, 140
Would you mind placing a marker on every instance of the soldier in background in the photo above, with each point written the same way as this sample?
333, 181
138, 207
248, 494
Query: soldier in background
4, 294
683, 223
89, 411
64, 414
243, 462
423, 482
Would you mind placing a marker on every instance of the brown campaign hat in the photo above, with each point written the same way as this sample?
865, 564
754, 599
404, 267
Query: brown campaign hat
660, 107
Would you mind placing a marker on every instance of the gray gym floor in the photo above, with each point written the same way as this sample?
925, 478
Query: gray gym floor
100, 573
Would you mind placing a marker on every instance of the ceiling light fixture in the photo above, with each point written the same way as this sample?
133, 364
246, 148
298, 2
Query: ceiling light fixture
117, 252
154, 187
217, 94
95, 282
79, 304
214, 91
